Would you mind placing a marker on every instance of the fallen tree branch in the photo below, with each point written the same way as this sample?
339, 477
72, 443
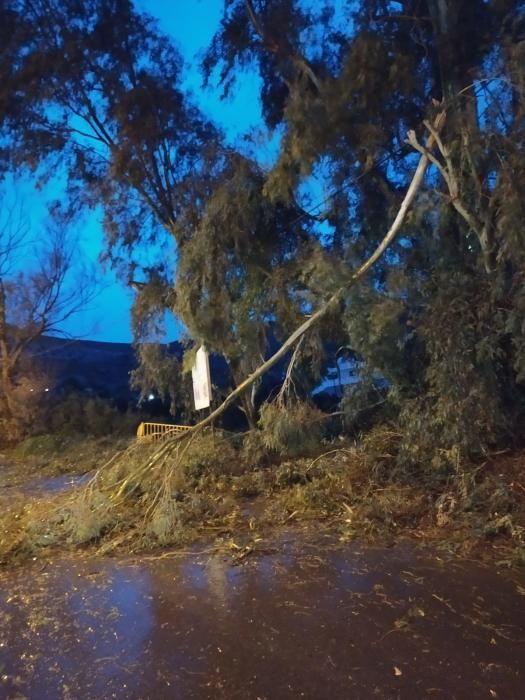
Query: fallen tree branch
411, 192
288, 381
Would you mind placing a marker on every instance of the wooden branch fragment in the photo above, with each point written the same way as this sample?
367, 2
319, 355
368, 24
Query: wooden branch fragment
411, 140
255, 21
288, 378
437, 138
303, 65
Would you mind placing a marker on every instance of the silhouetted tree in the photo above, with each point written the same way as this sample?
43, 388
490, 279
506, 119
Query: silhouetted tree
34, 300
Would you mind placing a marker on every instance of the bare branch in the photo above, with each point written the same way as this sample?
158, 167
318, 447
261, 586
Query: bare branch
288, 380
412, 140
437, 138
13, 234
34, 302
257, 25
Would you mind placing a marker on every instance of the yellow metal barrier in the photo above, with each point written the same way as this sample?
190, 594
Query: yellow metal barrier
159, 431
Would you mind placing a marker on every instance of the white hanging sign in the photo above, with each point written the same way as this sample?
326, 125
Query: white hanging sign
201, 379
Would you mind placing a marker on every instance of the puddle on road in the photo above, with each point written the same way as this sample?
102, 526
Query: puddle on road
53, 484
310, 621
40, 486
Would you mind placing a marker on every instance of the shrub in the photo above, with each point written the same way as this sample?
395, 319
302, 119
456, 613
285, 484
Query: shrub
40, 445
210, 452
89, 416
294, 430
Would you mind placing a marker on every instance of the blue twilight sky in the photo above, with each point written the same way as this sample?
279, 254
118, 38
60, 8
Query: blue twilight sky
191, 23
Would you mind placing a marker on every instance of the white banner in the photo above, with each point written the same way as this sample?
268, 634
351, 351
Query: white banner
201, 380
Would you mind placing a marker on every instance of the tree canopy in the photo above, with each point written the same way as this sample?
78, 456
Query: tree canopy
96, 87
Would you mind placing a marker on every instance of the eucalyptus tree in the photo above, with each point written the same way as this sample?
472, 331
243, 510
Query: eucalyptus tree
442, 317
95, 87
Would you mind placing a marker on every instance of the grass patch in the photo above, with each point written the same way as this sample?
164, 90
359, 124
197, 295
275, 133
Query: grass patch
48, 455
40, 446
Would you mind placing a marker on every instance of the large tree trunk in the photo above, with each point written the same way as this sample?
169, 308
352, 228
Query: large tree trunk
444, 19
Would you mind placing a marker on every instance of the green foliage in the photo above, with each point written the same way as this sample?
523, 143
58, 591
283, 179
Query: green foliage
441, 317
158, 371
460, 412
210, 453
87, 517
239, 267
362, 405
355, 489
292, 430
77, 414
165, 522
380, 448
254, 448
40, 445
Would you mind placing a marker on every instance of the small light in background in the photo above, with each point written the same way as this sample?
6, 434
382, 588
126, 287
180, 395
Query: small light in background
46, 389
151, 397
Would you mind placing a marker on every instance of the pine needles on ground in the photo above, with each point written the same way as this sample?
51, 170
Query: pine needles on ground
150, 496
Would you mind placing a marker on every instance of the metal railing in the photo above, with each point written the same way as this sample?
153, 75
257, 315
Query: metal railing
159, 431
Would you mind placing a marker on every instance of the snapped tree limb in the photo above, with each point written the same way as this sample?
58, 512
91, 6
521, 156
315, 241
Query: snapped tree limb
482, 228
